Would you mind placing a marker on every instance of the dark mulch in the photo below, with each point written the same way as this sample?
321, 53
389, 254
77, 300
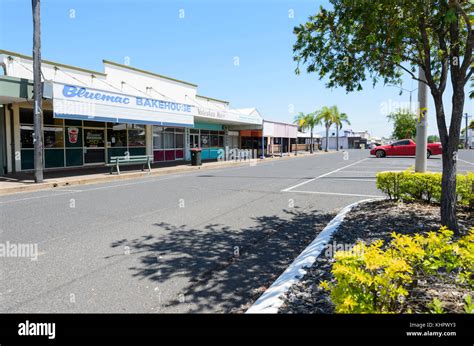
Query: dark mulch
369, 222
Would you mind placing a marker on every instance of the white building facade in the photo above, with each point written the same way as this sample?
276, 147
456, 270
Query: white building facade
90, 116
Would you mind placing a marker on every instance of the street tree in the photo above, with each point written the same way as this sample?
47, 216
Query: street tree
325, 116
339, 120
381, 40
404, 124
307, 122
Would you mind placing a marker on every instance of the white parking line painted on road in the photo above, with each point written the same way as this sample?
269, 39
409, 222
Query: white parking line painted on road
371, 180
65, 191
336, 193
321, 176
470, 163
54, 194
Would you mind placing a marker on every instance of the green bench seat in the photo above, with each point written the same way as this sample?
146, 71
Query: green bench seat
128, 160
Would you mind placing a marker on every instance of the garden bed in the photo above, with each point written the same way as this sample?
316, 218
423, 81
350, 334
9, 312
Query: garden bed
370, 222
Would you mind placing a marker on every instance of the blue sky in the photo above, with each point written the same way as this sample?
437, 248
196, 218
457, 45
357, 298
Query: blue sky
202, 48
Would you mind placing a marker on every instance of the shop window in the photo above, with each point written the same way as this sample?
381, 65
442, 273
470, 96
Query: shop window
136, 126
169, 140
168, 129
53, 137
94, 138
53, 158
157, 137
49, 119
169, 155
221, 141
72, 122
26, 116
117, 126
205, 141
116, 138
93, 124
179, 154
194, 131
214, 141
136, 138
158, 155
73, 137
27, 159
26, 136
74, 157
179, 140
137, 151
178, 129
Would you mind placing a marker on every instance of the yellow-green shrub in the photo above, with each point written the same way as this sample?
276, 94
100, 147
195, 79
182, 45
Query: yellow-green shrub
464, 187
369, 279
412, 186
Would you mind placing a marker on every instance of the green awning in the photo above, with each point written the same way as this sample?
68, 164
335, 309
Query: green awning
13, 89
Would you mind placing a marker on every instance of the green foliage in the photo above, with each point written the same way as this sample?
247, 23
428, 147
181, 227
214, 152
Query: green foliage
306, 121
404, 124
433, 139
412, 186
353, 41
436, 306
468, 305
339, 118
326, 116
370, 279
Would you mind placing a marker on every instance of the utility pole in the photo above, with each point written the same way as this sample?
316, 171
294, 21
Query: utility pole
38, 112
422, 124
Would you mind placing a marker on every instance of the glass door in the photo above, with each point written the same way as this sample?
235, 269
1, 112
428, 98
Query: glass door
193, 141
94, 151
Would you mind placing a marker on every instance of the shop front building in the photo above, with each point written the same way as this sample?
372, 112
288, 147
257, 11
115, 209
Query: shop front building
279, 138
90, 116
72, 143
218, 128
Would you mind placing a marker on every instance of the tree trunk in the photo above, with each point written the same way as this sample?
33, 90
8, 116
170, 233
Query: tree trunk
337, 137
312, 144
448, 189
327, 138
449, 142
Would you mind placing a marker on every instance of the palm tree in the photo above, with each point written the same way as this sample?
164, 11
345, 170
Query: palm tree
307, 121
326, 117
339, 119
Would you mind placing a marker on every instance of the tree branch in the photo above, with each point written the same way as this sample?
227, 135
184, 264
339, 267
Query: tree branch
412, 74
469, 40
426, 53
469, 75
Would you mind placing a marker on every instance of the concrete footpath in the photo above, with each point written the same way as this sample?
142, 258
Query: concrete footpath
25, 183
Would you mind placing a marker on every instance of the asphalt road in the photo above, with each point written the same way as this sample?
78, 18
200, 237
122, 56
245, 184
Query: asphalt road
198, 242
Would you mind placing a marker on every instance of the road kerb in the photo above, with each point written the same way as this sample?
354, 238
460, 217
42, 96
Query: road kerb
271, 300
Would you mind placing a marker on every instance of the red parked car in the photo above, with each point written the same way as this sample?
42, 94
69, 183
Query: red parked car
405, 147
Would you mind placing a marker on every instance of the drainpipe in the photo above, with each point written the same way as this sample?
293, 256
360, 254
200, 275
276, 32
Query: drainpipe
12, 137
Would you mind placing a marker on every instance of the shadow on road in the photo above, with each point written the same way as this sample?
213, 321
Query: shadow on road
225, 269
